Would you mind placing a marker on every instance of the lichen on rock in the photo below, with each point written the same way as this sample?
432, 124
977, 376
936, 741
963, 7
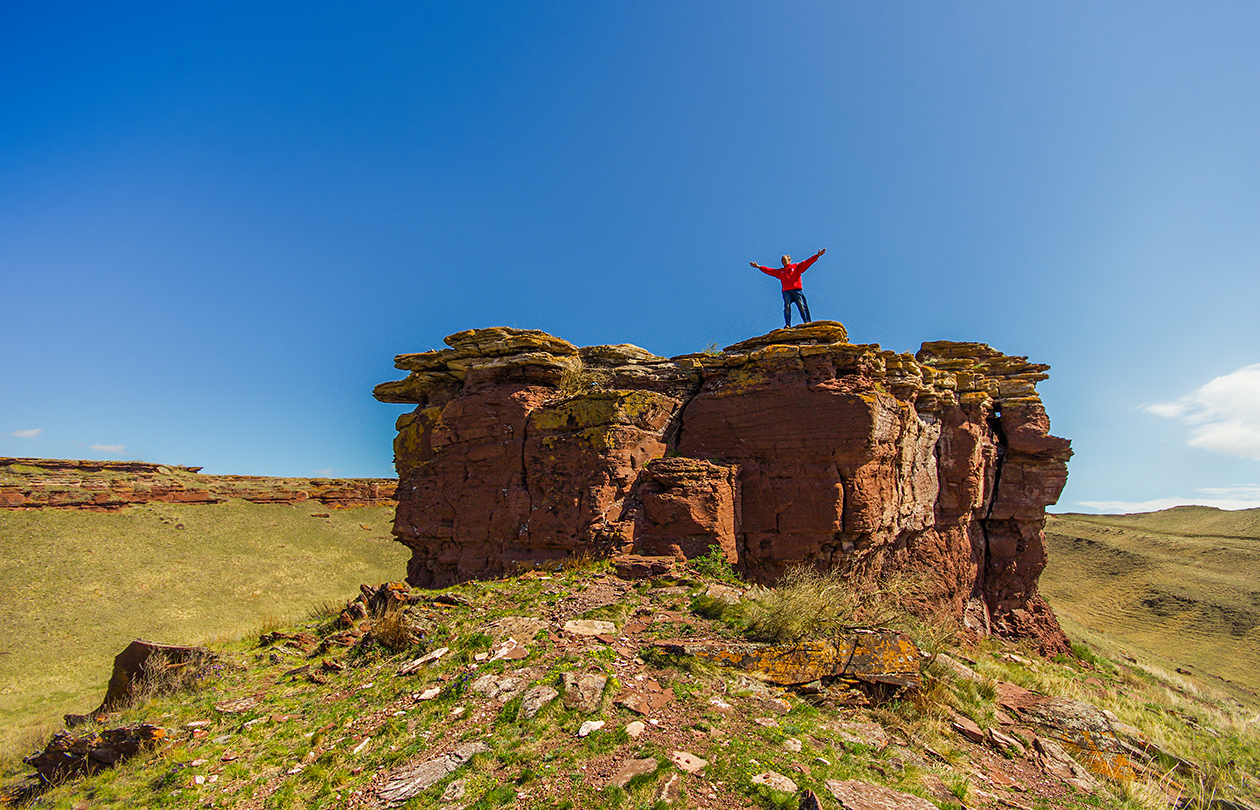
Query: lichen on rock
795, 447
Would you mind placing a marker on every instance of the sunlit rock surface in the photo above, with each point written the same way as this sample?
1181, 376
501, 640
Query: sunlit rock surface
793, 447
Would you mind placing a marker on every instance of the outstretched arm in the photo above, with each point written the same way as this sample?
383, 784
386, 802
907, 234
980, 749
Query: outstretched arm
769, 271
805, 264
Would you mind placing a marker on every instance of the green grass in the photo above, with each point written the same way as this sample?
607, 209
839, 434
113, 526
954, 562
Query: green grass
1176, 587
76, 587
365, 720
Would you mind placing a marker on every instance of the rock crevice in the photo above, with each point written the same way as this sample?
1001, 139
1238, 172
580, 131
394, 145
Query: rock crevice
792, 447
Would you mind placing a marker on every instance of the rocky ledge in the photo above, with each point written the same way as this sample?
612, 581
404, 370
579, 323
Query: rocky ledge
793, 447
109, 486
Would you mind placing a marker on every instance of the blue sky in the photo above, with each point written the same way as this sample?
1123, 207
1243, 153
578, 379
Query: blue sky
219, 224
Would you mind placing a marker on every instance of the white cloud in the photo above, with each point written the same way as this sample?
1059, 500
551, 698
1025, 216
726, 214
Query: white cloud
323, 472
112, 449
1246, 496
27, 434
1224, 413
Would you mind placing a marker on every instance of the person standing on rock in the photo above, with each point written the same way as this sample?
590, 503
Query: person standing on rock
790, 276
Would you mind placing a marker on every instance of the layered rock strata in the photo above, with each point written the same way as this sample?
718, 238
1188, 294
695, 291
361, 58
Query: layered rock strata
793, 447
109, 486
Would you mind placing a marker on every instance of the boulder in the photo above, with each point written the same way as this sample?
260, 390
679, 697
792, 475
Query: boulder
147, 665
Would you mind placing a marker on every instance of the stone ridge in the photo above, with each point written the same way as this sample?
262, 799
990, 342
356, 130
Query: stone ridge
795, 447
108, 486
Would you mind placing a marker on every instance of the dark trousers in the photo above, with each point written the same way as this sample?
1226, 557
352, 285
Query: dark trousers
801, 305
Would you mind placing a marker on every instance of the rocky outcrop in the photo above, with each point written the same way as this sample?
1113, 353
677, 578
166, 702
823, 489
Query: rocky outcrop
109, 486
793, 447
69, 756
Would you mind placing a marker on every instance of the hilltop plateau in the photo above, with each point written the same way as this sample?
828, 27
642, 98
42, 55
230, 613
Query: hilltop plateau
796, 573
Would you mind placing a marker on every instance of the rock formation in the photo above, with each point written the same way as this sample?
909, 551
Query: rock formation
108, 486
793, 447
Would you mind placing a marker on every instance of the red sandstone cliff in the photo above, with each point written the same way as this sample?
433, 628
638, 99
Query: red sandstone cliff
793, 447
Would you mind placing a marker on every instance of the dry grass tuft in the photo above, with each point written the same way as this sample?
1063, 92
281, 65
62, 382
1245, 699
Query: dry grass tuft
574, 381
161, 675
812, 604
395, 632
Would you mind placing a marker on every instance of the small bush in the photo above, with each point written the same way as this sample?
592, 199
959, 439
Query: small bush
714, 565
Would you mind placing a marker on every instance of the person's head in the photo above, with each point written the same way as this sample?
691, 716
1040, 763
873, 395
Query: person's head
787, 260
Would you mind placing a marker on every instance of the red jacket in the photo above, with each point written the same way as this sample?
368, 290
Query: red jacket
790, 275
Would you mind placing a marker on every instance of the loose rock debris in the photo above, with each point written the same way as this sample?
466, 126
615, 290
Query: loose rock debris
1026, 752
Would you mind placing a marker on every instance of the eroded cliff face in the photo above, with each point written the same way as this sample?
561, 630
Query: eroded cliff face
793, 447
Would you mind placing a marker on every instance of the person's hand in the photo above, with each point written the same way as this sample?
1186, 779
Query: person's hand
753, 264
821, 252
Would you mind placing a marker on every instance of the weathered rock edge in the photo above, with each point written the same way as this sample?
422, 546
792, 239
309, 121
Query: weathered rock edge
792, 447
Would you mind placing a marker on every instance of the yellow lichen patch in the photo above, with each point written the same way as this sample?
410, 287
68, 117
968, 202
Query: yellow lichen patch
814, 332
975, 398
425, 361
643, 409
500, 341
411, 445
414, 389
1093, 753
877, 656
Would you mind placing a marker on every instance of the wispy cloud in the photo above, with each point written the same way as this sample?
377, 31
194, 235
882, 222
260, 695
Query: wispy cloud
27, 434
1246, 496
323, 472
1225, 413
112, 449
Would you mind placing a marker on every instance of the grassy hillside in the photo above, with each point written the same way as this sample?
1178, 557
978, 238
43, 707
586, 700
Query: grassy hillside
293, 722
76, 587
1181, 585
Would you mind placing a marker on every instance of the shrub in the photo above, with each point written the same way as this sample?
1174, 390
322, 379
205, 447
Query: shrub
715, 566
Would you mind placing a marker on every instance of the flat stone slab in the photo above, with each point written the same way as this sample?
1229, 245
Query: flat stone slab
412, 780
412, 667
854, 794
535, 699
688, 761
498, 687
874, 656
590, 627
632, 768
523, 628
863, 733
775, 781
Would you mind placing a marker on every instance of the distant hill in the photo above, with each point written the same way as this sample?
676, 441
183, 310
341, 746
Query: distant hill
1182, 584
